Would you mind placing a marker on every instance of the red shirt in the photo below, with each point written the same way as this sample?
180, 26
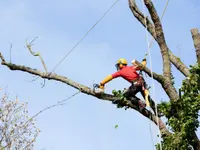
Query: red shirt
129, 73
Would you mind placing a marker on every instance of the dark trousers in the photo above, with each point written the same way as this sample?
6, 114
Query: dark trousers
138, 86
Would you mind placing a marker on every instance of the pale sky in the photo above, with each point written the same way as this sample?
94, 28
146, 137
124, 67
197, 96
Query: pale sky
86, 123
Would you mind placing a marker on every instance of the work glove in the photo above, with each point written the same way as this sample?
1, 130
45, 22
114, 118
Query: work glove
98, 88
101, 86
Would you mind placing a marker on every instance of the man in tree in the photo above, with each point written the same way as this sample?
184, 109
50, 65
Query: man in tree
138, 83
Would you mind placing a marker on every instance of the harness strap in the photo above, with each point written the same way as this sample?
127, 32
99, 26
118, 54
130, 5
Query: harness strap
140, 81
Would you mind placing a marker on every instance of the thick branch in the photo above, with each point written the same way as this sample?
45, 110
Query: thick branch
167, 86
160, 39
140, 17
83, 89
196, 38
176, 61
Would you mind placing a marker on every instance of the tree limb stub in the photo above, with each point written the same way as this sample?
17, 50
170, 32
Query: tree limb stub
151, 29
196, 38
83, 89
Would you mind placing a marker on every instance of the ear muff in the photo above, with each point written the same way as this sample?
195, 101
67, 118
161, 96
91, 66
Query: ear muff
117, 67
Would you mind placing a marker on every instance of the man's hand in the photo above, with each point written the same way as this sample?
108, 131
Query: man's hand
101, 86
98, 88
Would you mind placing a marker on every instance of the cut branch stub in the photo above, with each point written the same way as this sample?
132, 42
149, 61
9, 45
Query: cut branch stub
196, 38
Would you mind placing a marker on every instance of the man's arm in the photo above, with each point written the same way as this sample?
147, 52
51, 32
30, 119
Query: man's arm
144, 62
108, 78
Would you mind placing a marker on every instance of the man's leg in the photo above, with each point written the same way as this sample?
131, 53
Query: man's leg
130, 95
144, 92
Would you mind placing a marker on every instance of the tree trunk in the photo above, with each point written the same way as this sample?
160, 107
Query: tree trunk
196, 144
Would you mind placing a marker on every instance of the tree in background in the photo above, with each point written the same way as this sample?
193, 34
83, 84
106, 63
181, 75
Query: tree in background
181, 110
17, 129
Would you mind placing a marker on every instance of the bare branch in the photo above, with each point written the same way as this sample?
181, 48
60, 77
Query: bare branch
83, 89
10, 52
140, 17
196, 38
176, 61
2, 58
59, 103
36, 54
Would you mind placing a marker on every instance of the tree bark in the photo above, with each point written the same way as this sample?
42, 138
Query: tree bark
157, 33
196, 38
196, 144
176, 61
160, 39
151, 29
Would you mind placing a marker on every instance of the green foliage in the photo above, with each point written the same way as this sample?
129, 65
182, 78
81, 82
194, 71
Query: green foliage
116, 126
182, 114
122, 101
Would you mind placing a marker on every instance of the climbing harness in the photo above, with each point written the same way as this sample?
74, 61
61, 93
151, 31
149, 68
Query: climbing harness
84, 36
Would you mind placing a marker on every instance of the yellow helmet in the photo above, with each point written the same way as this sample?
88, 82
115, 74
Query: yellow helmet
122, 61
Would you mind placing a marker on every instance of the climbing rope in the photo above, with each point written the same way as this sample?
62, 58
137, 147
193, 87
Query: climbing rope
149, 44
84, 36
149, 54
